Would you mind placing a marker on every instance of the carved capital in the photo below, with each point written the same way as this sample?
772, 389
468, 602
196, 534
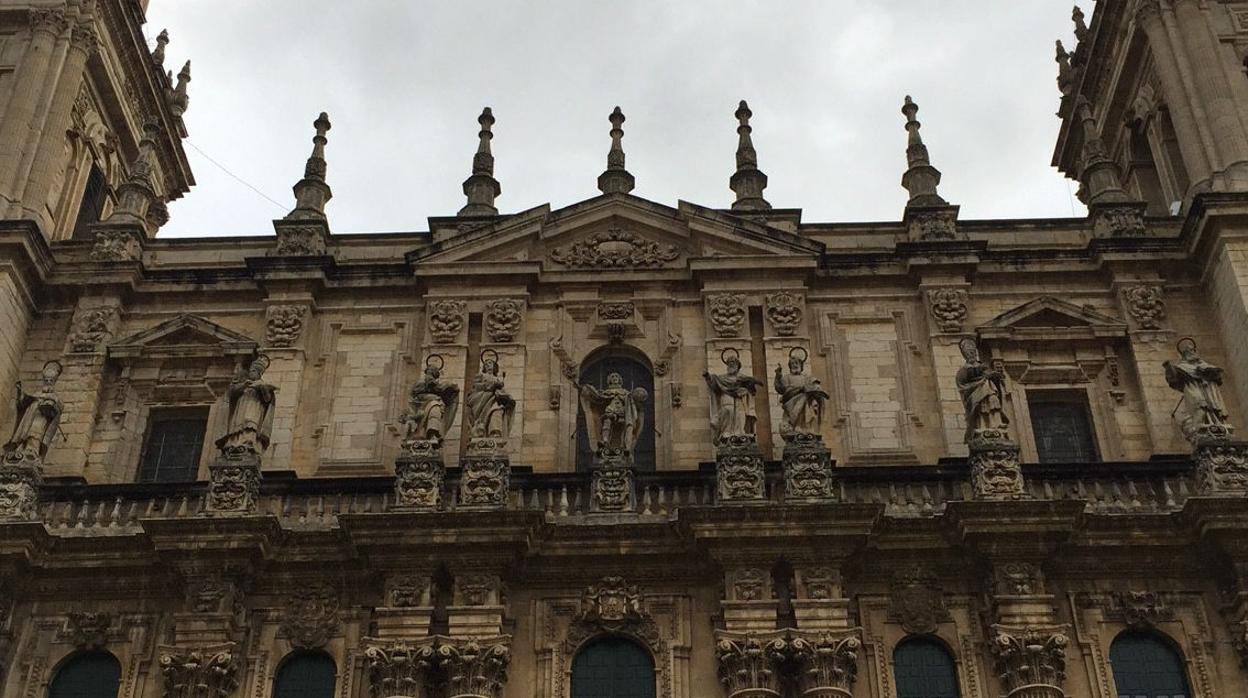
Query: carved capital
826, 665
751, 666
1031, 663
200, 673
400, 670
85, 38
475, 669
50, 21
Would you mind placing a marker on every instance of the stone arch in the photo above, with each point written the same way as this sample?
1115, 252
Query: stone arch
925, 666
617, 660
638, 372
305, 674
1149, 664
87, 674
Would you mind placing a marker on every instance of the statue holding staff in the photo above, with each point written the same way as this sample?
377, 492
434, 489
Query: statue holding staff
37, 418
250, 421
1201, 410
613, 415
983, 394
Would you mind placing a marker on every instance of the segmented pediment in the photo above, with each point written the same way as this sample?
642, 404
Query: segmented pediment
1052, 318
184, 335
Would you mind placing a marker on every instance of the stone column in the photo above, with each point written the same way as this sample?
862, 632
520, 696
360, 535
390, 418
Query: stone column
29, 81
825, 664
400, 669
94, 323
49, 155
1210, 81
750, 666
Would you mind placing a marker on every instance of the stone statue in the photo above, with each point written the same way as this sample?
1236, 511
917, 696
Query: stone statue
983, 395
431, 404
37, 418
250, 422
1201, 412
613, 415
488, 407
801, 396
732, 400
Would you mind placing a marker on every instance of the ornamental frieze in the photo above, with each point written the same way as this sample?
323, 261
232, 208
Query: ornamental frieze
614, 248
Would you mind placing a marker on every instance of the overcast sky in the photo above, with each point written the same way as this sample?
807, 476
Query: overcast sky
403, 82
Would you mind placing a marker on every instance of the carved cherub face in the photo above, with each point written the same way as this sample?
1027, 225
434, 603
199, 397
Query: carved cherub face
615, 380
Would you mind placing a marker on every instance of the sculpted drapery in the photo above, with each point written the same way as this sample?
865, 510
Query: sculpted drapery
488, 406
250, 402
613, 415
801, 395
1201, 409
732, 400
38, 417
983, 393
431, 404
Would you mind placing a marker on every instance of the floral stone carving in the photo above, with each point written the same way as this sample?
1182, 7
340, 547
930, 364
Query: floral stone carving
418, 475
1138, 609
1118, 221
933, 226
88, 631
502, 320
233, 486
299, 241
748, 584
784, 309
1030, 663
284, 325
474, 670
399, 669
19, 491
750, 666
948, 308
194, 673
827, 664
310, 616
92, 327
446, 319
727, 313
615, 311
614, 248
1146, 305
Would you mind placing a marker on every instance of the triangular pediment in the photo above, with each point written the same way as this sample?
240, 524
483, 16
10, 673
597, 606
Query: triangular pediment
611, 233
1048, 317
184, 335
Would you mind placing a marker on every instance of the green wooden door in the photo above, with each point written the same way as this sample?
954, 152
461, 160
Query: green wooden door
923, 669
306, 675
612, 668
92, 675
1146, 667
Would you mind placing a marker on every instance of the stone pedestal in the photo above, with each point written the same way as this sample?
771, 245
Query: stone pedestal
807, 469
611, 483
996, 472
739, 470
19, 490
418, 475
233, 484
1221, 464
485, 480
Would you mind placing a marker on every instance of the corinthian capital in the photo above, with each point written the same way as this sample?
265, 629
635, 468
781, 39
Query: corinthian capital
199, 673
85, 38
1031, 658
50, 20
474, 669
750, 664
828, 664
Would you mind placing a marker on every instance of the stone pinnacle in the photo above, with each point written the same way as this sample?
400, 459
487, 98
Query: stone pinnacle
481, 188
615, 179
748, 182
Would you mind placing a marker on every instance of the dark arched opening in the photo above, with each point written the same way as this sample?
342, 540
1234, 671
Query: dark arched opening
923, 668
306, 675
613, 667
636, 374
87, 675
1147, 666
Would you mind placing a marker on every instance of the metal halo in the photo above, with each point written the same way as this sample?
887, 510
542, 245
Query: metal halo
429, 361
489, 354
725, 357
804, 354
1185, 341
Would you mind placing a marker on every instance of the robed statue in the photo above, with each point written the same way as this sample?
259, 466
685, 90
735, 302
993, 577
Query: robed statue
250, 400
732, 399
613, 415
983, 394
431, 404
37, 418
802, 397
488, 406
1201, 410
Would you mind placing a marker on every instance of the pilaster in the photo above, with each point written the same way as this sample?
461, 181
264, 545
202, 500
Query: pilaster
31, 76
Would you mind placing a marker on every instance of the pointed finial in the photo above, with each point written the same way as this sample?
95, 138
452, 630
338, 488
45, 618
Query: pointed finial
179, 101
616, 179
1101, 178
748, 182
136, 194
311, 192
920, 178
481, 188
1081, 27
162, 40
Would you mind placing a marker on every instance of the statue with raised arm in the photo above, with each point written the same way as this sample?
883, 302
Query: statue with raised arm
613, 415
732, 399
983, 395
431, 404
250, 418
1201, 411
488, 406
802, 397
37, 418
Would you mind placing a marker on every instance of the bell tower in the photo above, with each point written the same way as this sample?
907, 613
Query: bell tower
1166, 83
78, 84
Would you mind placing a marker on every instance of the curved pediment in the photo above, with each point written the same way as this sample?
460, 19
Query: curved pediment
1051, 318
184, 335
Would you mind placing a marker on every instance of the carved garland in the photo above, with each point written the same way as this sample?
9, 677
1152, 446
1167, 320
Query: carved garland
614, 248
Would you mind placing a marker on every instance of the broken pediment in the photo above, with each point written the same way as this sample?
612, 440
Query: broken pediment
611, 233
1049, 318
184, 336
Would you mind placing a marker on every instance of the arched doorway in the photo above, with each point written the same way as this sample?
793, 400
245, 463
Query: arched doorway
613, 667
88, 675
306, 675
1147, 666
923, 668
636, 374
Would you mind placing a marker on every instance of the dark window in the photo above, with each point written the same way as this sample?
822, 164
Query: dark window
612, 667
1147, 667
306, 675
635, 375
174, 442
91, 675
923, 669
93, 198
1062, 425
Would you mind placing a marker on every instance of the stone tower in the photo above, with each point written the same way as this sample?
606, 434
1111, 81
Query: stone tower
78, 82
1166, 83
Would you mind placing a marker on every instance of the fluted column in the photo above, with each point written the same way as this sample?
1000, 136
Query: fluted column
30, 77
1210, 82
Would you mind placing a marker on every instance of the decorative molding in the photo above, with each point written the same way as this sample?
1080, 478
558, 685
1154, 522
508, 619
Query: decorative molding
299, 241
446, 319
284, 325
916, 602
1138, 609
614, 606
727, 313
115, 246
502, 319
614, 248
1146, 305
784, 310
87, 630
747, 584
948, 306
1030, 662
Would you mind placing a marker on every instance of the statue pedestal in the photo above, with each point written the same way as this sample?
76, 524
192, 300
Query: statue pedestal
418, 474
486, 478
739, 470
996, 472
19, 489
234, 483
1221, 463
807, 469
611, 482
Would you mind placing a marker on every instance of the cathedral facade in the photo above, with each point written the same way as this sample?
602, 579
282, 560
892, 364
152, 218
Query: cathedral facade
626, 449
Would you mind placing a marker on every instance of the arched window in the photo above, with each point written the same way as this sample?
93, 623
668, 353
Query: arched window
306, 675
89, 675
636, 375
1145, 666
612, 667
924, 669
